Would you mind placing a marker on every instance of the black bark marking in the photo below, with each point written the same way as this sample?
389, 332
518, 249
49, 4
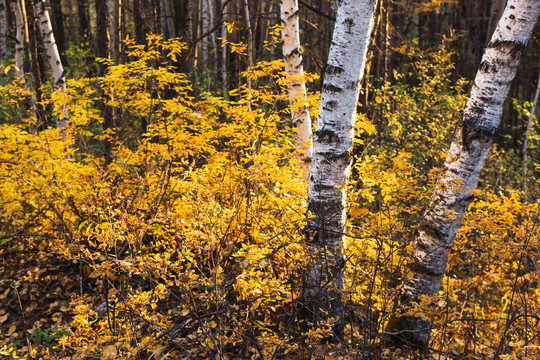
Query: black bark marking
331, 88
293, 52
330, 105
487, 67
346, 155
474, 131
349, 24
510, 47
331, 70
326, 136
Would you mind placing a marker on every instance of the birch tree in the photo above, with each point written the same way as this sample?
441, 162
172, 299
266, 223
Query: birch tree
53, 57
301, 120
331, 163
19, 38
435, 233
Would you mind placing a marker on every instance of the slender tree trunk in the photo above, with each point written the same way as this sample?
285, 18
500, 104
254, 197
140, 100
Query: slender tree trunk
249, 49
168, 21
102, 35
19, 49
205, 25
19, 38
331, 164
526, 140
102, 51
138, 22
213, 36
224, 75
31, 38
84, 20
115, 7
3, 29
474, 135
53, 57
57, 23
296, 86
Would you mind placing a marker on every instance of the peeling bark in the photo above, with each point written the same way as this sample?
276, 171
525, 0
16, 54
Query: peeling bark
296, 87
331, 163
472, 140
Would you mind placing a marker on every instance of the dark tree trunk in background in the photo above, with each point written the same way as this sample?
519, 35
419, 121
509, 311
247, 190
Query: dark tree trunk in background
37, 67
84, 20
102, 51
138, 22
57, 22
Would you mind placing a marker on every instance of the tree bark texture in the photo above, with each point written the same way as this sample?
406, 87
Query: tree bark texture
53, 57
36, 63
301, 120
331, 163
472, 140
19, 38
3, 29
57, 23
84, 19
115, 8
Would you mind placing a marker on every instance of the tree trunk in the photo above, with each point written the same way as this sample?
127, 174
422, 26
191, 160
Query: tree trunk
167, 20
115, 7
296, 86
474, 135
526, 140
224, 68
84, 20
36, 66
138, 23
3, 29
249, 48
19, 49
53, 57
57, 23
19, 38
331, 164
102, 35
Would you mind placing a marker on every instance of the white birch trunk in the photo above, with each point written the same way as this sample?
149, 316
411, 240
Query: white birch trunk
331, 163
19, 38
53, 57
3, 29
204, 29
296, 87
19, 50
474, 135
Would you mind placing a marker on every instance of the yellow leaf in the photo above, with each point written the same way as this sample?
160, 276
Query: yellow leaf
12, 329
329, 357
